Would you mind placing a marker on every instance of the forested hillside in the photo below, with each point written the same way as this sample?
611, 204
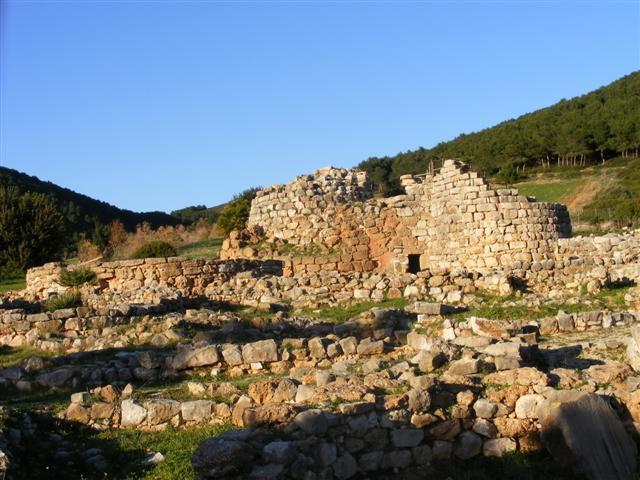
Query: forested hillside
82, 215
584, 130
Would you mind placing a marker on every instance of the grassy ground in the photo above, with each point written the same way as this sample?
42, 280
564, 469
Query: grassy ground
124, 451
343, 314
15, 355
205, 249
497, 308
598, 195
12, 283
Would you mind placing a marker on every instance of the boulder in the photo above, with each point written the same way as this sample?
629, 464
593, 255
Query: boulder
133, 414
497, 447
312, 422
489, 328
220, 457
465, 366
161, 411
633, 348
262, 351
196, 410
467, 445
406, 437
582, 428
189, 357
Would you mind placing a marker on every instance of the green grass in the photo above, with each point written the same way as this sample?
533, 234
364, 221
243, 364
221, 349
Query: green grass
343, 314
202, 250
15, 355
14, 282
550, 191
177, 446
494, 308
69, 299
124, 451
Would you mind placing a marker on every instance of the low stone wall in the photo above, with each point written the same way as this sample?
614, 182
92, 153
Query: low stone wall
188, 277
433, 403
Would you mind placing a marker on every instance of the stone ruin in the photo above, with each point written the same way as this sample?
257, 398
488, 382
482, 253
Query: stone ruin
448, 219
388, 393
325, 239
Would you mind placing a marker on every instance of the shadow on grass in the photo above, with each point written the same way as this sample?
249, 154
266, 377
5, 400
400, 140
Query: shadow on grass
50, 448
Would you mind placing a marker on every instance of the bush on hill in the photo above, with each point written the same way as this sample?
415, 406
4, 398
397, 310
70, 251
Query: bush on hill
235, 214
155, 249
31, 230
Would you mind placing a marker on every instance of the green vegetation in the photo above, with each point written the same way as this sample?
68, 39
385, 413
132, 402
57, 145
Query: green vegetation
12, 282
76, 276
618, 203
124, 451
551, 191
235, 214
508, 174
588, 129
68, 299
155, 249
607, 195
16, 355
242, 383
82, 215
31, 230
177, 446
193, 214
343, 314
507, 308
206, 249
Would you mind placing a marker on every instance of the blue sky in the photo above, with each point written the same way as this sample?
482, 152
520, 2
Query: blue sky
161, 105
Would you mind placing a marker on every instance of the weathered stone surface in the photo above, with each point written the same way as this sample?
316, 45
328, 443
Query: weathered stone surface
419, 400
406, 437
161, 411
345, 466
279, 452
582, 428
484, 408
188, 357
312, 421
527, 406
216, 458
369, 347
232, 355
497, 447
132, 413
467, 445
464, 367
196, 410
262, 351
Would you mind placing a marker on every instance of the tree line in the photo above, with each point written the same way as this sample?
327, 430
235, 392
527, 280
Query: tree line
591, 128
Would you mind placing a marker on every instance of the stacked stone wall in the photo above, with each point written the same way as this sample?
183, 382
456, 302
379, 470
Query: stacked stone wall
190, 278
450, 219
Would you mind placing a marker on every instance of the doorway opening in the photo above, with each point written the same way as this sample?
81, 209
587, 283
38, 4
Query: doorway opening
414, 263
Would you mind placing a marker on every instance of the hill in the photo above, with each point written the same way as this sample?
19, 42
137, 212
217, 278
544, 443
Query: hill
582, 131
83, 214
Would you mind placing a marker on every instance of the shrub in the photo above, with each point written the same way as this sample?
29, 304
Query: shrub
508, 174
31, 229
88, 250
68, 299
235, 214
155, 249
76, 276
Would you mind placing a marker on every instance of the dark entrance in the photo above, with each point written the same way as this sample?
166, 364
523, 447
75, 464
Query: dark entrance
414, 263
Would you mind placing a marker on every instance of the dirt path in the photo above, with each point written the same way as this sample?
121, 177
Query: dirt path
583, 194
